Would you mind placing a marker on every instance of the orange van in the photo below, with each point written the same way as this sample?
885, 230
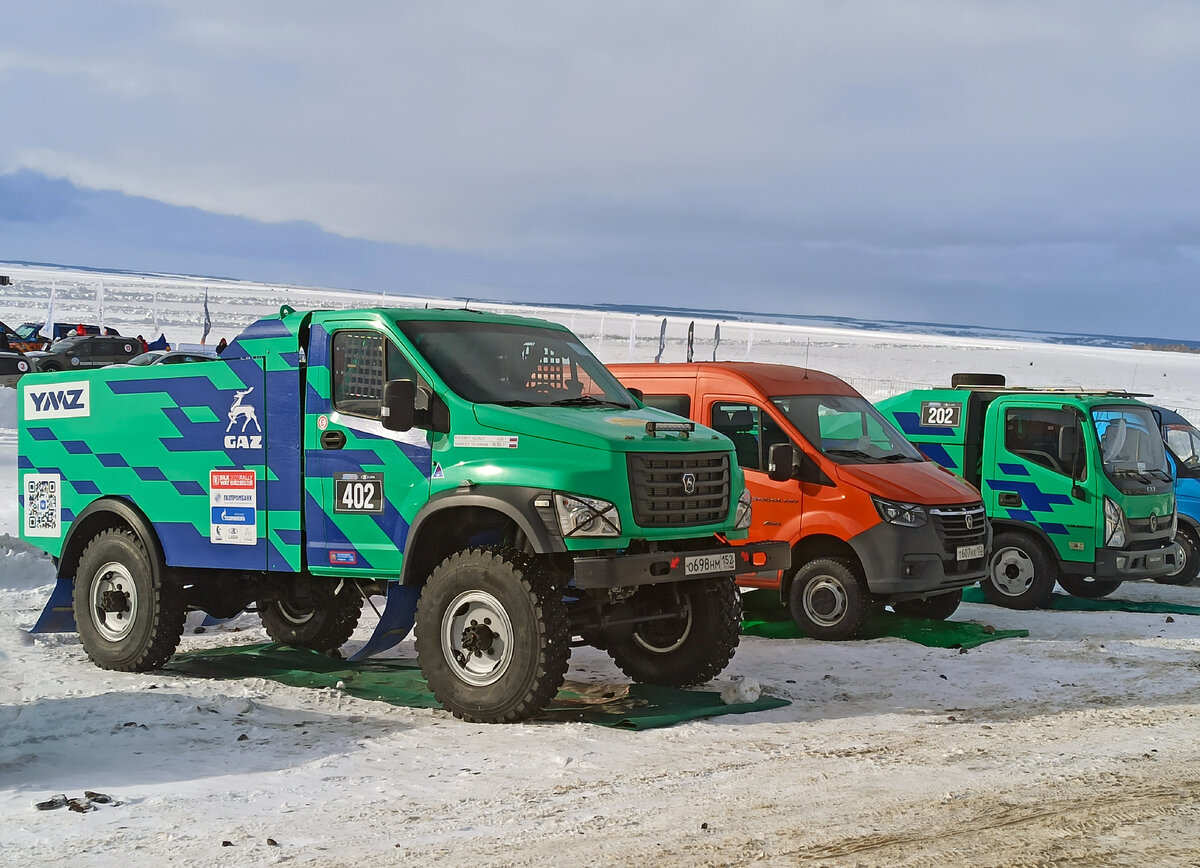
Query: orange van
870, 520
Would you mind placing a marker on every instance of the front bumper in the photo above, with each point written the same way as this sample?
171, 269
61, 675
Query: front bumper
653, 568
1123, 565
905, 563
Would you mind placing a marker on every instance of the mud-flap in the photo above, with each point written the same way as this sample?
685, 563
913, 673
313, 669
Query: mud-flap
59, 614
395, 622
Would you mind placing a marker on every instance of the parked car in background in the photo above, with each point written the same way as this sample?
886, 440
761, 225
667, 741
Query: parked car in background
86, 351
13, 366
30, 336
171, 357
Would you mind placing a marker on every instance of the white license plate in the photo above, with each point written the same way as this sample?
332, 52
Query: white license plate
1155, 560
702, 565
966, 553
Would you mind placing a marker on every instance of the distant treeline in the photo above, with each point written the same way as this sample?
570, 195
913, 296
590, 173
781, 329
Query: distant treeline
1168, 348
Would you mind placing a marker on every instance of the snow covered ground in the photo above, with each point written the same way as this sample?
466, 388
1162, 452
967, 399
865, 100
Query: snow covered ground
1075, 746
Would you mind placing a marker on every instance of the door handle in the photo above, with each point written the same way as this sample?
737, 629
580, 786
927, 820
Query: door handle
332, 439
1009, 498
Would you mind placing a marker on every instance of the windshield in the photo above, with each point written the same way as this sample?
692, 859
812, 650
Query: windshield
515, 365
847, 429
27, 331
1131, 447
145, 358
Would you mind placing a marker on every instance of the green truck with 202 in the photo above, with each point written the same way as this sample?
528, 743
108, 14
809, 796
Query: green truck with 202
1075, 482
486, 473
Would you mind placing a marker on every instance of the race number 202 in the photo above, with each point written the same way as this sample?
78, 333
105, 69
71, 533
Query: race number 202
941, 414
358, 492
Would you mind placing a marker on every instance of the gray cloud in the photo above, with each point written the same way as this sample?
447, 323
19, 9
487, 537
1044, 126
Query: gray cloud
845, 153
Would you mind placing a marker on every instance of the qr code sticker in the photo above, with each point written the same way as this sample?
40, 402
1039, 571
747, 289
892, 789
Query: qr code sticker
41, 504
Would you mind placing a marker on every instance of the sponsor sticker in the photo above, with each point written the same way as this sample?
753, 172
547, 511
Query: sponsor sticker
233, 502
484, 441
343, 559
322, 422
58, 401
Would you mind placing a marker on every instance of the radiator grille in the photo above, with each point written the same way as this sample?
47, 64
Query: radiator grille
659, 483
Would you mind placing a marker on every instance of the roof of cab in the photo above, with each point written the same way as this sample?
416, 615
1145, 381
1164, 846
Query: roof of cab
769, 379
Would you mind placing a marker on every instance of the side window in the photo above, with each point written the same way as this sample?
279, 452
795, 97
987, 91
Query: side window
740, 423
680, 405
1048, 438
362, 362
1185, 445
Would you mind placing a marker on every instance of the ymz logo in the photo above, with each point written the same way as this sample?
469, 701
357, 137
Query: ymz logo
244, 412
60, 401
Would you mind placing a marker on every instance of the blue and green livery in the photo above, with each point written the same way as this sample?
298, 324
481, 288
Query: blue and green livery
1076, 483
486, 473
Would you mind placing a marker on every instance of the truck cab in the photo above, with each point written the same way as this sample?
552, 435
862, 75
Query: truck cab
1075, 482
1183, 452
869, 520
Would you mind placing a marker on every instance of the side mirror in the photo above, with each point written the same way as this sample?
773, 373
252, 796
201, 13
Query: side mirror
398, 411
637, 393
781, 462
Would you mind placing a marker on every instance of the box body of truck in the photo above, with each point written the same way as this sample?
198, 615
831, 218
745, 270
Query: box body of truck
868, 519
331, 455
1076, 483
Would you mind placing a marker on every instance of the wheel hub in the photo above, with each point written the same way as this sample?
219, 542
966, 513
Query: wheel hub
114, 601
478, 638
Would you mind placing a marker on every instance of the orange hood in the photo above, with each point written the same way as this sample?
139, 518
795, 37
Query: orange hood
924, 483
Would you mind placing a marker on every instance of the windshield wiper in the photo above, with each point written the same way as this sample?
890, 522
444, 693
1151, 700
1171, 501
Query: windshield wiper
896, 458
858, 453
587, 401
515, 402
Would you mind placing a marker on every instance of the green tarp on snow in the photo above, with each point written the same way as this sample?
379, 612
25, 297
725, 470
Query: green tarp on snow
1067, 603
399, 682
764, 616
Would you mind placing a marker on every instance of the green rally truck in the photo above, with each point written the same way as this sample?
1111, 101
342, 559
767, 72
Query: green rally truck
1076, 483
486, 473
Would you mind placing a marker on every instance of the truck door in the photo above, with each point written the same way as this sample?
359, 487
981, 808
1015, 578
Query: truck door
363, 483
1036, 451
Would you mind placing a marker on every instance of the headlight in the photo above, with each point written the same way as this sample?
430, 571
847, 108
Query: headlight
586, 516
742, 516
903, 514
1114, 524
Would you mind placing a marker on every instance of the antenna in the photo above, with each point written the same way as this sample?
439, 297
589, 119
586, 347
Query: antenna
807, 349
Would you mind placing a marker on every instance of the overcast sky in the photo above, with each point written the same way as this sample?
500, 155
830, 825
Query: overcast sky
1015, 164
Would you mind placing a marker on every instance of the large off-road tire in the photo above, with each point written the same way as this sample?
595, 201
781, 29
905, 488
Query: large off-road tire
939, 607
1088, 588
321, 622
50, 366
492, 634
129, 615
680, 652
1021, 574
1186, 574
828, 600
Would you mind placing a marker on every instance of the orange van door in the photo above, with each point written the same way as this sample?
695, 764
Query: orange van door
777, 505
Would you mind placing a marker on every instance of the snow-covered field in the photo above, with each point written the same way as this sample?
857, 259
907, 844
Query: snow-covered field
1075, 746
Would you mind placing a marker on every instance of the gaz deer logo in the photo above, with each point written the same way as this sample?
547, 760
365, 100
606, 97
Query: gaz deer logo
244, 413
58, 401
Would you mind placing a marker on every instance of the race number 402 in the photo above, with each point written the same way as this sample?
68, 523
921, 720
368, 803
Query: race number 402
358, 492
941, 414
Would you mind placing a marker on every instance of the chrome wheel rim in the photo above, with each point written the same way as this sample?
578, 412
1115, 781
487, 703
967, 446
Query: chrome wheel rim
114, 601
1012, 572
648, 644
825, 601
477, 638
